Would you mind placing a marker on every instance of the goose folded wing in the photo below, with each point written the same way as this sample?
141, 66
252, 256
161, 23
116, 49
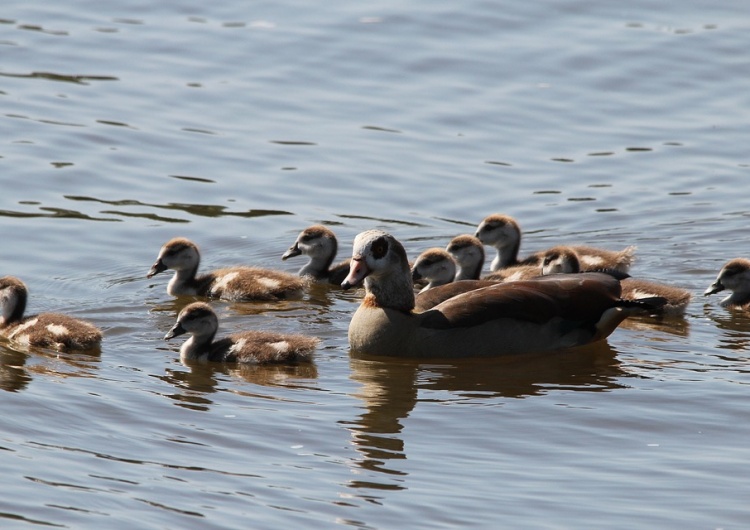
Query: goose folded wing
432, 297
581, 298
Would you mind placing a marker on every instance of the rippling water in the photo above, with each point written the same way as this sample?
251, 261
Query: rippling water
238, 125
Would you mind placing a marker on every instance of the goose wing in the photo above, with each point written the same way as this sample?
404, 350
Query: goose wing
580, 298
432, 297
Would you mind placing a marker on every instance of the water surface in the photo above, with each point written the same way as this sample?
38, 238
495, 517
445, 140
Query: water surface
606, 124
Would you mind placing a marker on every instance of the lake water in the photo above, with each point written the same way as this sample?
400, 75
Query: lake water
239, 124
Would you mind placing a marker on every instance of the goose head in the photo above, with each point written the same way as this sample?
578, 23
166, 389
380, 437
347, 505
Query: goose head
197, 320
379, 262
560, 260
434, 265
502, 232
317, 242
734, 276
13, 297
468, 253
178, 254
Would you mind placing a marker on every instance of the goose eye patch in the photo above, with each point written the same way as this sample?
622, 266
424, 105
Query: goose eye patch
379, 248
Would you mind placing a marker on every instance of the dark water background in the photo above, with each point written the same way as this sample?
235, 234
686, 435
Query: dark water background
238, 124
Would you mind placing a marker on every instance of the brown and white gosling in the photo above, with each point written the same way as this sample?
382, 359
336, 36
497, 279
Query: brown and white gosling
250, 347
233, 283
319, 243
45, 330
468, 253
563, 259
504, 234
734, 276
435, 266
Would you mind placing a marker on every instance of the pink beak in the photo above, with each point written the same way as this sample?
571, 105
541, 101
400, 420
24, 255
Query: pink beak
358, 271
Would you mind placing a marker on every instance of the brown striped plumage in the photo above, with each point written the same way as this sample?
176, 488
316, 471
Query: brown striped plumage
251, 347
45, 330
233, 283
562, 259
504, 234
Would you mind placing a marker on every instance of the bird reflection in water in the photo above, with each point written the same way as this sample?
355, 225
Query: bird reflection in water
389, 391
734, 326
19, 365
202, 379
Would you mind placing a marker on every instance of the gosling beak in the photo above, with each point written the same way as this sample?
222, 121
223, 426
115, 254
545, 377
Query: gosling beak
156, 268
176, 330
415, 275
715, 287
293, 251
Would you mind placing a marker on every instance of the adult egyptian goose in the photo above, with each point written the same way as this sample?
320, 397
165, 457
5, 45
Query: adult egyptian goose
251, 347
734, 276
547, 313
234, 283
562, 259
45, 330
319, 243
504, 234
